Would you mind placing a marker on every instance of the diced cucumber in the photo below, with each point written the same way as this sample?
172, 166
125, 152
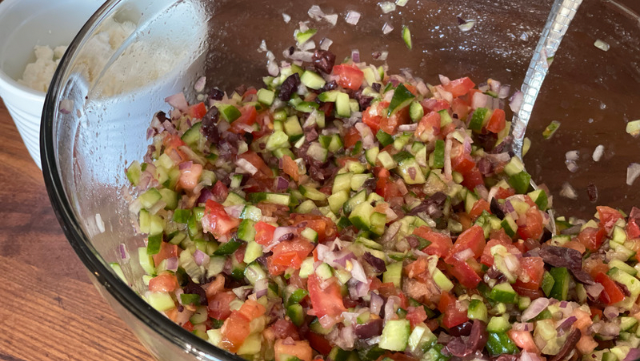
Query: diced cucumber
192, 136
509, 225
266, 96
278, 139
445, 118
343, 109
520, 182
539, 196
386, 160
499, 343
360, 217
478, 118
246, 230
317, 152
393, 274
133, 173
324, 271
329, 96
561, 280
372, 155
395, 335
316, 327
354, 201
378, 221
336, 144
442, 281
632, 283
312, 193
384, 138
503, 292
408, 168
292, 126
307, 107
477, 310
275, 198
251, 345
161, 301
150, 197
233, 199
402, 97
251, 212
514, 166
306, 207
406, 36
416, 111
337, 200
499, 324
304, 36
342, 182
547, 283
228, 112
306, 269
310, 234
616, 263
358, 180
253, 251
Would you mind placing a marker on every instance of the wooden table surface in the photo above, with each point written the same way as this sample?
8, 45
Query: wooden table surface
49, 310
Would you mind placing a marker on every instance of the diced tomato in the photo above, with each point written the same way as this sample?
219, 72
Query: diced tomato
533, 227
290, 167
459, 87
487, 258
586, 344
189, 177
503, 193
252, 309
216, 220
325, 227
596, 312
299, 349
473, 178
390, 124
219, 305
501, 235
497, 121
373, 115
434, 105
188, 326
220, 191
167, 250
533, 271
214, 287
165, 282
611, 293
583, 319
172, 141
234, 331
250, 91
454, 314
387, 189
449, 128
288, 254
327, 301
633, 226
343, 161
523, 340
283, 329
429, 127
197, 111
461, 161
460, 108
472, 238
525, 292
264, 233
595, 266
480, 206
417, 269
327, 109
440, 245
349, 76
319, 343
608, 217
463, 272
247, 117
416, 315
387, 289
575, 245
263, 169
352, 137
592, 238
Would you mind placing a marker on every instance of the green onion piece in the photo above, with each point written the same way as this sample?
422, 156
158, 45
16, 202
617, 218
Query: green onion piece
406, 36
551, 129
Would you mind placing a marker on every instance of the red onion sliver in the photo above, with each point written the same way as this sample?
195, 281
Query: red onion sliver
352, 17
516, 101
538, 305
178, 101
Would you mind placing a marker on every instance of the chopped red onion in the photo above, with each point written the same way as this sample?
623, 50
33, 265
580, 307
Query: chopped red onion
422, 88
282, 184
597, 153
169, 127
504, 91
633, 171
172, 264
594, 290
201, 258
358, 272
567, 191
286, 18
466, 25
260, 288
444, 94
246, 166
444, 80
572, 166
124, 255
447, 158
389, 307
376, 303
272, 68
235, 210
482, 191
352, 17
355, 55
479, 100
331, 19
610, 329
387, 28
315, 12
516, 101
278, 234
178, 101
611, 312
495, 85
177, 293
308, 45
200, 84
572, 155
66, 106
601, 45
304, 56
326, 43
242, 292
464, 255
263, 47
408, 127
566, 323
157, 207
522, 326
633, 355
185, 165
538, 305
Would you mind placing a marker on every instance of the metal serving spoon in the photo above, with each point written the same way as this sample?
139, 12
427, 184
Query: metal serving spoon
562, 12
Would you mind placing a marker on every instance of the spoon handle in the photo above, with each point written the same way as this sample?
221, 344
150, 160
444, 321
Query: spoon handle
556, 27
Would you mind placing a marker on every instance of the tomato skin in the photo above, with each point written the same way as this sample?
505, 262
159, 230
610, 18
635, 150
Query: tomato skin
325, 302
319, 343
387, 189
472, 238
247, 118
592, 238
463, 272
288, 254
608, 217
611, 293
197, 110
352, 137
534, 269
167, 250
264, 233
165, 282
480, 206
350, 77
283, 329
234, 331
327, 230
461, 161
416, 316
216, 220
472, 179
252, 309
220, 191
487, 258
453, 316
460, 108
497, 121
524, 340
440, 245
533, 227
459, 87
264, 172
218, 306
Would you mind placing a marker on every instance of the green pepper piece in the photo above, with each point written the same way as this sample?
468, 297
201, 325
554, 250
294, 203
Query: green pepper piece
561, 280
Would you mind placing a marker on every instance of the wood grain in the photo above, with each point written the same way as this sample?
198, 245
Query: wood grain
49, 310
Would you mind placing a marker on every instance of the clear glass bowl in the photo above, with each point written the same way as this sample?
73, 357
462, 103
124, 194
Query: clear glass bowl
99, 106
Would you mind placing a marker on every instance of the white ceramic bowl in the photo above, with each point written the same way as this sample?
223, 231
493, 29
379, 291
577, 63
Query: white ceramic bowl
23, 25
